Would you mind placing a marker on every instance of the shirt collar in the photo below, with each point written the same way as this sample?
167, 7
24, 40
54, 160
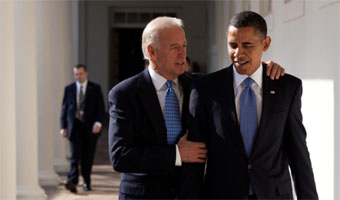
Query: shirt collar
158, 80
83, 84
256, 76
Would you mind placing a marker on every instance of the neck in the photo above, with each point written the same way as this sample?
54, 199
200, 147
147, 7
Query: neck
158, 70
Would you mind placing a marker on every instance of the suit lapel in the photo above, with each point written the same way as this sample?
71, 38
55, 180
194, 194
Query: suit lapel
269, 98
228, 103
88, 93
74, 93
227, 97
149, 99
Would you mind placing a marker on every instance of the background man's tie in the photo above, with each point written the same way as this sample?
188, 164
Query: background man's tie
172, 115
80, 111
248, 118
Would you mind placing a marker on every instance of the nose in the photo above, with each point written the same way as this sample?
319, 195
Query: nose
182, 51
238, 52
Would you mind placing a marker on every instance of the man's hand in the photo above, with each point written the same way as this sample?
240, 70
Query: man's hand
96, 128
274, 70
191, 151
63, 132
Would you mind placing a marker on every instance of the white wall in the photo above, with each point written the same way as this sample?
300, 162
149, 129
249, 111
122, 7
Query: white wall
217, 54
308, 48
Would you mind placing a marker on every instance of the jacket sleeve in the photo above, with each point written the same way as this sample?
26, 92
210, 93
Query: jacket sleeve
128, 152
298, 155
64, 107
100, 106
192, 178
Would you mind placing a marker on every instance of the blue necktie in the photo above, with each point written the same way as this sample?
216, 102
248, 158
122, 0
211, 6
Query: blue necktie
248, 116
172, 115
248, 119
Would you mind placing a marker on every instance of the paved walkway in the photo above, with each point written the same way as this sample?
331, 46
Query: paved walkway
105, 182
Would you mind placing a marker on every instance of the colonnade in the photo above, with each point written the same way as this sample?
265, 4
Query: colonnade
35, 65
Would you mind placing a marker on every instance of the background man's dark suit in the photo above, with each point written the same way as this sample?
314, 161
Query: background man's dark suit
80, 133
138, 139
280, 140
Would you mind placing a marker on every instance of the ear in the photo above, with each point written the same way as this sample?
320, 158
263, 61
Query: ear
266, 43
152, 52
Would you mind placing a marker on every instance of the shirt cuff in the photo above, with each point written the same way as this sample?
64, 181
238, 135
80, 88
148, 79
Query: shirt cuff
178, 157
98, 124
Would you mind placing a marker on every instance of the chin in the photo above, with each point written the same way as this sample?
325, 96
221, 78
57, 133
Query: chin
180, 73
180, 70
241, 70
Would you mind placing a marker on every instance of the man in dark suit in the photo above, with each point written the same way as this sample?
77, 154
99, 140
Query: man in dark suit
144, 129
147, 140
252, 125
82, 115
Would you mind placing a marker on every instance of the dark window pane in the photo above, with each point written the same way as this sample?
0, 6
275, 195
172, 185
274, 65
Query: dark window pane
171, 14
132, 17
154, 15
119, 17
145, 17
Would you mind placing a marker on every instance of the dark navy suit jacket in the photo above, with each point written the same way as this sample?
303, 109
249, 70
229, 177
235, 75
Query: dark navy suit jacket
94, 110
280, 141
138, 142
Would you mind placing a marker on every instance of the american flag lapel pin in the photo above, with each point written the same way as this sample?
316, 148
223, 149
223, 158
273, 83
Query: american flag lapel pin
272, 92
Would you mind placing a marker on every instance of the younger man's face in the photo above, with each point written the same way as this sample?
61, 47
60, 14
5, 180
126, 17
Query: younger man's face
245, 48
80, 74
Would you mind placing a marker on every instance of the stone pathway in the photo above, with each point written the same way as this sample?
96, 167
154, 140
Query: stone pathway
105, 182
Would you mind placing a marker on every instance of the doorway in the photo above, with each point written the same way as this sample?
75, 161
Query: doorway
126, 57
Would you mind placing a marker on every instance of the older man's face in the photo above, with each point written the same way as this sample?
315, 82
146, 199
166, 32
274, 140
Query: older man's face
171, 53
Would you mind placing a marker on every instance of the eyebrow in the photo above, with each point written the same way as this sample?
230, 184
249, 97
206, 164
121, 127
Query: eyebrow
247, 42
176, 44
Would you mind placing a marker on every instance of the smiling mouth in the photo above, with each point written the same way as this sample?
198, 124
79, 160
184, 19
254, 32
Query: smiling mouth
241, 63
179, 63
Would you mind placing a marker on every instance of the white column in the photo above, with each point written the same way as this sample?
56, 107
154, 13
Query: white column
47, 175
7, 103
337, 123
25, 17
61, 12
75, 31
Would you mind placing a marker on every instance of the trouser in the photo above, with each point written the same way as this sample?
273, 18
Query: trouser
82, 148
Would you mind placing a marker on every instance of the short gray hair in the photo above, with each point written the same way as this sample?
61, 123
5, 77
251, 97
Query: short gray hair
151, 31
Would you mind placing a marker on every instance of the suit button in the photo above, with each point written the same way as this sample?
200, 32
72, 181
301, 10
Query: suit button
249, 166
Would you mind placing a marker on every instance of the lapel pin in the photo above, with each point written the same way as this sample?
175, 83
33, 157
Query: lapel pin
272, 92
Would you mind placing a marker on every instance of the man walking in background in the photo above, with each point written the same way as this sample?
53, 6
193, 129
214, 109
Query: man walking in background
82, 115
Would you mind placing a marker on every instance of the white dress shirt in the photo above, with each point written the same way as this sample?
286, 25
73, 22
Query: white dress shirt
78, 89
239, 86
84, 84
160, 85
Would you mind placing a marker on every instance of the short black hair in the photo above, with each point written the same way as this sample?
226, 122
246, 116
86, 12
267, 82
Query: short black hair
250, 19
81, 66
